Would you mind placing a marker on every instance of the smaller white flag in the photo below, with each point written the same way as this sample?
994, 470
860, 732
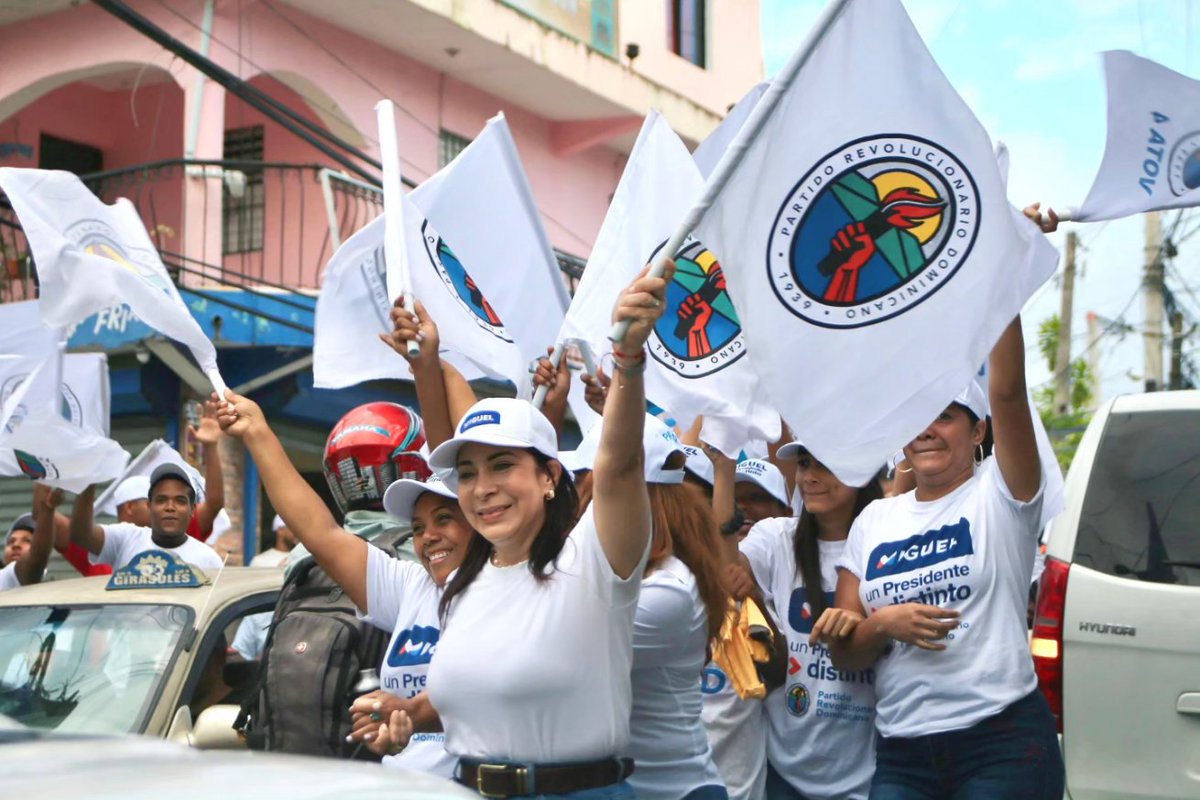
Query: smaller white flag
90, 256
696, 365
48, 447
1152, 154
709, 152
152, 456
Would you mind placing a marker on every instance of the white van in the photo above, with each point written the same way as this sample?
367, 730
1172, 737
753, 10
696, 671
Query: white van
1116, 637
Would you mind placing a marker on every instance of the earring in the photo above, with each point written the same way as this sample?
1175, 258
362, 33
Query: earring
978, 454
549, 495
905, 471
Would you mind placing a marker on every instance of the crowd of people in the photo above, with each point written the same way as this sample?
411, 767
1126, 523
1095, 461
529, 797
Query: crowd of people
645, 616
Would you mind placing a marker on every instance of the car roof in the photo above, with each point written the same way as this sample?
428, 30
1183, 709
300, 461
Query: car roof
133, 768
1156, 401
232, 584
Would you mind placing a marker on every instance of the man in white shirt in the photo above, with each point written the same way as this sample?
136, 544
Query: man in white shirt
29, 541
277, 556
172, 501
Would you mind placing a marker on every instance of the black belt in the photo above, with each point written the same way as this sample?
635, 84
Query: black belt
515, 780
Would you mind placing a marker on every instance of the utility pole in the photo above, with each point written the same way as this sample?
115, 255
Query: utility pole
1152, 284
1176, 350
1093, 356
1062, 357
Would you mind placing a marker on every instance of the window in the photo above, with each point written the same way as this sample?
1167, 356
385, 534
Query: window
686, 20
243, 202
55, 153
449, 146
1143, 499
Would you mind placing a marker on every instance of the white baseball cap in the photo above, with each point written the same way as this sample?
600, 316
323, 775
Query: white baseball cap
401, 496
698, 463
766, 475
135, 488
278, 523
791, 450
973, 398
659, 443
500, 422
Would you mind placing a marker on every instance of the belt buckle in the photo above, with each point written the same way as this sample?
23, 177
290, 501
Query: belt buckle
483, 770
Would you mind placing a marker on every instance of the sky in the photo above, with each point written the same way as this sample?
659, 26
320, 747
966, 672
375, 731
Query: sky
1030, 70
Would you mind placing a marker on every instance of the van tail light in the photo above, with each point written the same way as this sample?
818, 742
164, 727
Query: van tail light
1047, 641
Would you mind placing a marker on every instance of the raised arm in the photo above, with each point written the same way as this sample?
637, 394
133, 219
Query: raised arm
84, 532
459, 394
426, 368
619, 498
1012, 419
31, 568
342, 555
558, 381
208, 434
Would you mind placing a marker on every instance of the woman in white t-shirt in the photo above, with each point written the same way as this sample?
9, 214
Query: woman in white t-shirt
821, 721
532, 673
941, 575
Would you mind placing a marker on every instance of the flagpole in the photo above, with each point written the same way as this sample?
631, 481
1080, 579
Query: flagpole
737, 148
539, 395
399, 282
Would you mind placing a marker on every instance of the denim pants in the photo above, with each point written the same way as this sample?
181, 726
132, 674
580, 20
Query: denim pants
1013, 755
711, 792
614, 791
779, 789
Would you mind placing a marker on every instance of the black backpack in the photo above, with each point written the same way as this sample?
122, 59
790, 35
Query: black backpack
310, 665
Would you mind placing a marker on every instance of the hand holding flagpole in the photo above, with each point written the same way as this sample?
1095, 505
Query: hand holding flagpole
399, 282
737, 148
539, 394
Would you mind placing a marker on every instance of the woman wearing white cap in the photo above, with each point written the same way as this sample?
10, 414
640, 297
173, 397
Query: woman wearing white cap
395, 595
532, 673
941, 575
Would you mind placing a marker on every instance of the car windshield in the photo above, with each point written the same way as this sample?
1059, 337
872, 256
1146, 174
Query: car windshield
1143, 499
89, 669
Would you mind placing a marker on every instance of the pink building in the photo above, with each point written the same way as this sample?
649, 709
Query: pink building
249, 212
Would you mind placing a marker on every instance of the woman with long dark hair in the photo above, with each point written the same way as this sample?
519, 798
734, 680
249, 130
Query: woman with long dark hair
819, 734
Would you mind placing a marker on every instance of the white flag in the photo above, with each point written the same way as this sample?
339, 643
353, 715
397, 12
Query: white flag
50, 448
152, 456
90, 256
697, 359
709, 152
869, 246
479, 253
1152, 155
346, 347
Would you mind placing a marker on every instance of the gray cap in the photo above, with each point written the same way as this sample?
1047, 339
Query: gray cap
169, 470
21, 523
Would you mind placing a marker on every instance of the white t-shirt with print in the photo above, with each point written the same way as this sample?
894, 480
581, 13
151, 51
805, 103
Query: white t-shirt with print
8, 577
821, 733
539, 671
402, 598
124, 540
737, 731
670, 639
971, 551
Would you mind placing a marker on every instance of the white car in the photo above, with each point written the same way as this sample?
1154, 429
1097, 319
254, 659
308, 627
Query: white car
1116, 637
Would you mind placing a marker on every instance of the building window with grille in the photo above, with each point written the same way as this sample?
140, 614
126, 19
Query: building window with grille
686, 20
243, 200
449, 146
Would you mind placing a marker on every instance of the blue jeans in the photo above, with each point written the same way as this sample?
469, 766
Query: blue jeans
1013, 755
779, 789
707, 793
614, 791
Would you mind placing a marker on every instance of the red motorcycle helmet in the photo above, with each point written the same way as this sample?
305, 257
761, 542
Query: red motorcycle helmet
369, 448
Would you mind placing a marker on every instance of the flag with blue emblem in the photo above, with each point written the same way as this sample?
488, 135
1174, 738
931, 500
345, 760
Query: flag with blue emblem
867, 240
1152, 155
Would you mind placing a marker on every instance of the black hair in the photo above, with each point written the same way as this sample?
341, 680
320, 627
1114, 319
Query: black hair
988, 440
561, 514
808, 552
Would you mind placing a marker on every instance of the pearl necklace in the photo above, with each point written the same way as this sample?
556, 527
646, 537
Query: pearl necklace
498, 565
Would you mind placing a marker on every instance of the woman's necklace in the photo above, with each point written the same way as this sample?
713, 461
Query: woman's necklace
496, 562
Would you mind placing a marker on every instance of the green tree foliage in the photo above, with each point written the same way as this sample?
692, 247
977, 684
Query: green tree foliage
1065, 429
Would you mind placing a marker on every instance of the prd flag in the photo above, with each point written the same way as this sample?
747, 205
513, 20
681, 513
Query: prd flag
1152, 155
152, 456
709, 152
696, 353
870, 249
90, 256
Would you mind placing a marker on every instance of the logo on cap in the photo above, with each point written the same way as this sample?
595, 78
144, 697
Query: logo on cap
479, 418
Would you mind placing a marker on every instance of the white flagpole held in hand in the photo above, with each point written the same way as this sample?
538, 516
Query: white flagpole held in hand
737, 148
218, 383
395, 256
539, 395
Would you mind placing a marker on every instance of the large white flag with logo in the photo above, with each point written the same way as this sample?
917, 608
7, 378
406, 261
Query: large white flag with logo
90, 256
152, 456
478, 253
869, 246
68, 453
1152, 155
696, 353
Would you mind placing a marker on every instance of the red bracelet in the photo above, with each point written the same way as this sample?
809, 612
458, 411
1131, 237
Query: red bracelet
640, 356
